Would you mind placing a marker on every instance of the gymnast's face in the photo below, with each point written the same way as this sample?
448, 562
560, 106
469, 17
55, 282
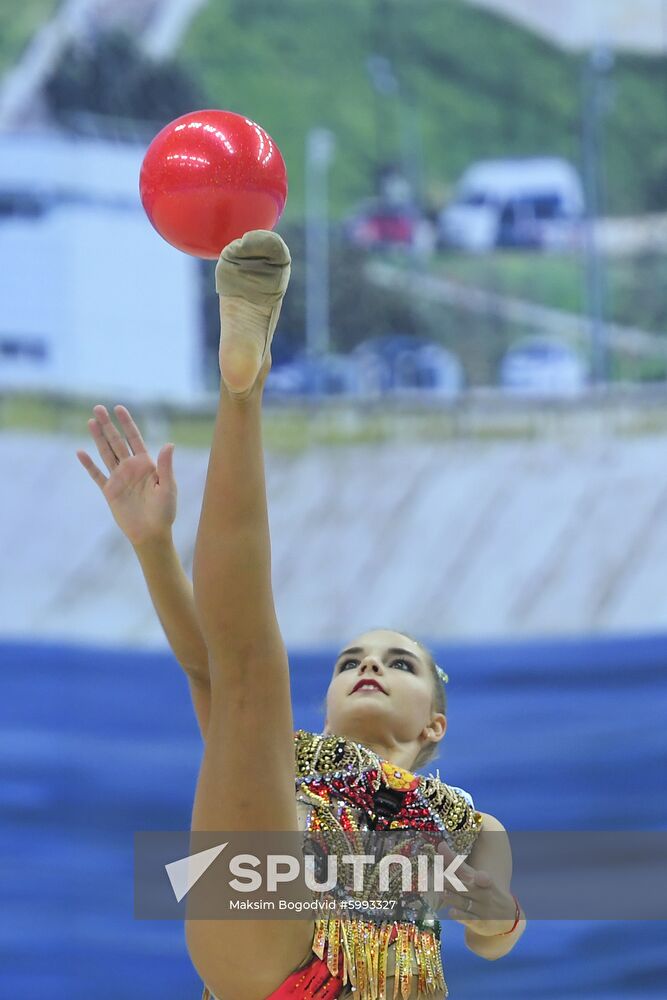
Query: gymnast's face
394, 712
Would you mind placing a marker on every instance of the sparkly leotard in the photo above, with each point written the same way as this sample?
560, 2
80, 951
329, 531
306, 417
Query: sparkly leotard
343, 788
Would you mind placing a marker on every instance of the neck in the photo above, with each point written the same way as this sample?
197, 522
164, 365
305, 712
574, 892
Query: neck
402, 754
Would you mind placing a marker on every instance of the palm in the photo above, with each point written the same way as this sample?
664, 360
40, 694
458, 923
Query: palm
140, 493
141, 504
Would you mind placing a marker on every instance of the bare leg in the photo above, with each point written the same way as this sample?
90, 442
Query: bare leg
246, 780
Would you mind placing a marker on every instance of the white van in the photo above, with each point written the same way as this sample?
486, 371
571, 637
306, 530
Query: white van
536, 202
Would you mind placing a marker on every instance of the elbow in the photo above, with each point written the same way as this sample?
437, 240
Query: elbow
491, 948
482, 951
488, 953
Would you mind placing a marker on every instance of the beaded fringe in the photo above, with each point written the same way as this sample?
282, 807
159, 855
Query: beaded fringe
364, 948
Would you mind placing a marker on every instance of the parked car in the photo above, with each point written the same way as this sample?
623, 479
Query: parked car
390, 364
328, 375
377, 224
534, 202
543, 366
401, 364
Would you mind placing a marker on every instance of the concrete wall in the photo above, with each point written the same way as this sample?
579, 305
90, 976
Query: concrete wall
450, 541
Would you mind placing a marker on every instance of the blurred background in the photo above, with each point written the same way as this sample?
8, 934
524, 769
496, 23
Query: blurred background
465, 428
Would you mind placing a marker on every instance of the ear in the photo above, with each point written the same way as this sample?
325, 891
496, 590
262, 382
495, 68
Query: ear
437, 727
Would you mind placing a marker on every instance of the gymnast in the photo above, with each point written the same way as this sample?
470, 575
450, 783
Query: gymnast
385, 703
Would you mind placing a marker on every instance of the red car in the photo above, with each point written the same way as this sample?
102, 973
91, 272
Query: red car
379, 225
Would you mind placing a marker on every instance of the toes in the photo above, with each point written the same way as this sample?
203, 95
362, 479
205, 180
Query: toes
260, 243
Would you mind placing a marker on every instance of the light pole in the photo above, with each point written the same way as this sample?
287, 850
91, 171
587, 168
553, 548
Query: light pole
320, 145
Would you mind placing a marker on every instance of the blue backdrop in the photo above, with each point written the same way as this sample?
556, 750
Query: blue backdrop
96, 745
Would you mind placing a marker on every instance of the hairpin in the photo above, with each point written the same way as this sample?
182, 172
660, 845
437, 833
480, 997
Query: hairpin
441, 674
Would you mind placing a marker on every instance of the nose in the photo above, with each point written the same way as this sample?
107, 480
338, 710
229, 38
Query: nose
372, 663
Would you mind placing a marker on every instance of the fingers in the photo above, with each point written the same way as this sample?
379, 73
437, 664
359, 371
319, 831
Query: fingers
459, 905
463, 916
132, 432
165, 467
463, 871
114, 439
107, 454
454, 897
482, 879
95, 474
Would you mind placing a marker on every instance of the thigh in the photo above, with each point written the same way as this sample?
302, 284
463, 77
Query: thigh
246, 777
255, 966
242, 790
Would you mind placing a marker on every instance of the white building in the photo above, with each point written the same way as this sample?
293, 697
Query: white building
92, 300
628, 25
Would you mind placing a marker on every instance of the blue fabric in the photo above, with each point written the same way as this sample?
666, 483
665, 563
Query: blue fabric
96, 744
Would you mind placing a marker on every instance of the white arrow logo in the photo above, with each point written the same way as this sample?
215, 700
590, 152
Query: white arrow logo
186, 871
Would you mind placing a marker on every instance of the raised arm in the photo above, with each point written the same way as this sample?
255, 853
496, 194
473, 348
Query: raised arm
142, 497
171, 592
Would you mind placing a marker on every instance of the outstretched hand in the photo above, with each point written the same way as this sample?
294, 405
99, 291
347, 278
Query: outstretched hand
140, 493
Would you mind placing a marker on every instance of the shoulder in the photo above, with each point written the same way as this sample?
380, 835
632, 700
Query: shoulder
490, 822
438, 789
456, 810
462, 791
493, 854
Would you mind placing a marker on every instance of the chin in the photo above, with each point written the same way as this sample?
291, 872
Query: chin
366, 708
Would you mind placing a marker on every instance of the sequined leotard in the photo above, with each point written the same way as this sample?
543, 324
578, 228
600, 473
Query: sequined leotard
343, 787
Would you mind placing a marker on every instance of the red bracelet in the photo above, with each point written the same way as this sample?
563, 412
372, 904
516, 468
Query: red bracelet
517, 917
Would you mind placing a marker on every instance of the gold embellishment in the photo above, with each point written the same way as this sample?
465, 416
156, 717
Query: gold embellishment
383, 956
317, 754
334, 946
461, 821
364, 948
357, 950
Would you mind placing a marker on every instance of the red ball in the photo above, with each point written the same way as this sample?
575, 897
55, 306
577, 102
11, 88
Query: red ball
209, 177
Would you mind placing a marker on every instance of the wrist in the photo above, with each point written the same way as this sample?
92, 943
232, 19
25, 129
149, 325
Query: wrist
155, 543
518, 915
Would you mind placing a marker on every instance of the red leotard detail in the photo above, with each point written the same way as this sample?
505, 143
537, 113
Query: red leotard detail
315, 981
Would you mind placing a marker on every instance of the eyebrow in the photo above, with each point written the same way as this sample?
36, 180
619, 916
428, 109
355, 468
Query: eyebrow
395, 649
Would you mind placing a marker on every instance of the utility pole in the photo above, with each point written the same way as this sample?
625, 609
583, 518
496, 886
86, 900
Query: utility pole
385, 87
320, 145
384, 84
595, 101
